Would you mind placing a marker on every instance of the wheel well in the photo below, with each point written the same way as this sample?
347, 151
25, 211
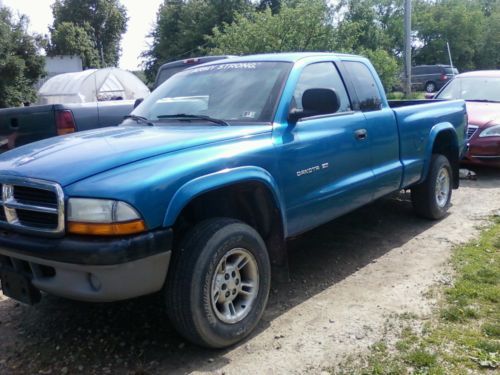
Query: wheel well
446, 144
250, 202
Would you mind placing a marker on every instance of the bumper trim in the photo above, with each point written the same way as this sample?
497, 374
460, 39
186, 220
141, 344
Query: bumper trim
92, 283
87, 250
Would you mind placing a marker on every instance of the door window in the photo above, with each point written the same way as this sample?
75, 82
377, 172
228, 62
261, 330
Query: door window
321, 76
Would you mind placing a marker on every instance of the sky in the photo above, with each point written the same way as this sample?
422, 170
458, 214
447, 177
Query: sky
141, 13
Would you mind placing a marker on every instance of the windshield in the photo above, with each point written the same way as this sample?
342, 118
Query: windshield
233, 92
472, 88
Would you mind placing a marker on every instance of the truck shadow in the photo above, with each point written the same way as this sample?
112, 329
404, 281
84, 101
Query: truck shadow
136, 337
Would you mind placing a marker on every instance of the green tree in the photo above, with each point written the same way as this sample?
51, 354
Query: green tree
181, 26
373, 28
303, 26
489, 56
461, 23
70, 39
386, 66
362, 14
104, 22
274, 5
21, 64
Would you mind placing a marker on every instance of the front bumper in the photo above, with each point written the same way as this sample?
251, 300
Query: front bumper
483, 151
90, 269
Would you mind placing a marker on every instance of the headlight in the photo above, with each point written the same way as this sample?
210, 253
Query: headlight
103, 217
492, 131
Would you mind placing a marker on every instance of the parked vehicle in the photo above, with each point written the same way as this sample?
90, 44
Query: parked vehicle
72, 102
169, 69
22, 125
481, 91
195, 194
431, 78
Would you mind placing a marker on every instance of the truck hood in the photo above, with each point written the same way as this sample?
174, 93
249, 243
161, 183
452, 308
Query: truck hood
481, 114
73, 157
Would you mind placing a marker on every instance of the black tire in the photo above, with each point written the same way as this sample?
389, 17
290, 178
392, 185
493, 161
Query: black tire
191, 275
430, 87
425, 199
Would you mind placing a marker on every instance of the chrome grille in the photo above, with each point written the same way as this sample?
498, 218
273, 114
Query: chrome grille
30, 205
471, 130
30, 195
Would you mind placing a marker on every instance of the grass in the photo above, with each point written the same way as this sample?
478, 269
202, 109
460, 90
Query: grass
463, 334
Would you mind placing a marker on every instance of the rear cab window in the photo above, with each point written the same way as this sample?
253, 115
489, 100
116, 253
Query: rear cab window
166, 73
365, 86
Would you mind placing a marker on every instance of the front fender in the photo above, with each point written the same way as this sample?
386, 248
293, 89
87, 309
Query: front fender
225, 177
436, 130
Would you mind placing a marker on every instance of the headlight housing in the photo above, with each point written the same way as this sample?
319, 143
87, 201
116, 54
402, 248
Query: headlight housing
492, 131
103, 217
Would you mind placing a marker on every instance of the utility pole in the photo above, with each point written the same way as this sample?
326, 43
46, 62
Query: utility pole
407, 53
449, 56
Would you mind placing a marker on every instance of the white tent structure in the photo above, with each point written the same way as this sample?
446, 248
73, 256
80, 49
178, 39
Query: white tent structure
92, 85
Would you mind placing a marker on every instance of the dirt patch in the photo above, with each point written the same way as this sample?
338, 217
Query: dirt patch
348, 277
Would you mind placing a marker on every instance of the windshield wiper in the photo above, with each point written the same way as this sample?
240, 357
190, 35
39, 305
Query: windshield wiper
195, 117
139, 119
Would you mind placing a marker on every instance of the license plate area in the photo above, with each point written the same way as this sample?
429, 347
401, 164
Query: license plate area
19, 287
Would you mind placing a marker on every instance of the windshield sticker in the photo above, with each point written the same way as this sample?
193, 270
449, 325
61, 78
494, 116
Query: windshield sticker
245, 66
248, 114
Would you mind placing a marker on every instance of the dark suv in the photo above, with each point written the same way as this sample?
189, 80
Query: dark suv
431, 77
169, 69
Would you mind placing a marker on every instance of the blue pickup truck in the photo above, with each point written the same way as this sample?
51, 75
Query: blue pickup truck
196, 193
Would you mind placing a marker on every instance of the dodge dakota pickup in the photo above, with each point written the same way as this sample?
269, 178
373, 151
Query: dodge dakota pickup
195, 195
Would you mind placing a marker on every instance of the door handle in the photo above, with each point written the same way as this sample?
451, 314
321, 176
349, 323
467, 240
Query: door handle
361, 134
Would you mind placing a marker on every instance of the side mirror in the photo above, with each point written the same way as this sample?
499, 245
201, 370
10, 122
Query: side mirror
137, 102
429, 95
316, 102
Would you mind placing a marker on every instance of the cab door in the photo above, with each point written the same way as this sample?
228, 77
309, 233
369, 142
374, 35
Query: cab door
325, 161
382, 127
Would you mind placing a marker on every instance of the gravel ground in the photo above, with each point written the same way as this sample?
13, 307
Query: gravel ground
348, 277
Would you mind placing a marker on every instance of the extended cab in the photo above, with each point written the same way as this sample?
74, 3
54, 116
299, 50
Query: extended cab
196, 194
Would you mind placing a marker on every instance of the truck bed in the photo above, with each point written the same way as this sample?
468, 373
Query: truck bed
415, 126
23, 125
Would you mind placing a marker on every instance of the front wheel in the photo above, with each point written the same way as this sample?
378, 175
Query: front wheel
431, 199
218, 283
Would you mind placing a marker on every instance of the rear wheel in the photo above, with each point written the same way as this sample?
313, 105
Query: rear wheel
218, 283
430, 87
431, 199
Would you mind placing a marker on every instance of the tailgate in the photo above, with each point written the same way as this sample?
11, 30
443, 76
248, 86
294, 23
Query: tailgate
22, 125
